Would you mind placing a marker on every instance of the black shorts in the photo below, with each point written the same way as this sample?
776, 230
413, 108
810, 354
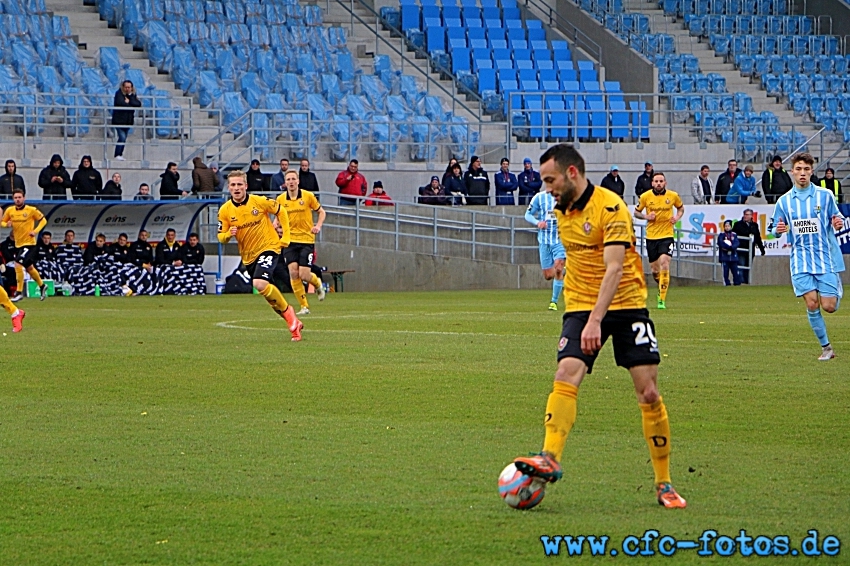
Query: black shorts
631, 331
657, 248
26, 256
268, 268
302, 254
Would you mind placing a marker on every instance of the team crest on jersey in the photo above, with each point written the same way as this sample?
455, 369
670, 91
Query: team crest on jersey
667, 201
562, 343
255, 212
586, 227
301, 202
817, 209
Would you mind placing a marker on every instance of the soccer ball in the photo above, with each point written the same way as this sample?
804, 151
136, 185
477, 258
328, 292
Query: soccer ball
520, 491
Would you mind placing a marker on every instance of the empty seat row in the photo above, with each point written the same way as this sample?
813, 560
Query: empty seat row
758, 65
733, 45
727, 7
785, 85
687, 83
677, 63
703, 26
462, 3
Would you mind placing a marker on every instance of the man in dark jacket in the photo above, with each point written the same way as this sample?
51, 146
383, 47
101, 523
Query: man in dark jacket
277, 182
454, 184
725, 182
112, 189
644, 181
44, 250
168, 249
192, 252
433, 193
120, 249
141, 252
506, 184
95, 249
477, 183
125, 97
613, 182
87, 182
168, 189
256, 178
11, 180
529, 183
747, 230
203, 179
775, 181
307, 179
54, 179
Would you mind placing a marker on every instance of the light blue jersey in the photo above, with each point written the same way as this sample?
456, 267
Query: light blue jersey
542, 207
808, 214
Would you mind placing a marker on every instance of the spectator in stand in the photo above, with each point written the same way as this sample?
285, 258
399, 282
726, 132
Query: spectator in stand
55, 180
454, 185
11, 180
168, 249
477, 183
255, 178
87, 182
727, 242
95, 249
144, 192
307, 179
775, 181
351, 182
141, 252
829, 182
644, 181
219, 178
529, 183
125, 97
44, 249
743, 187
120, 249
747, 230
192, 252
203, 179
112, 189
613, 182
506, 184
434, 193
168, 189
725, 181
279, 178
379, 197
448, 173
702, 187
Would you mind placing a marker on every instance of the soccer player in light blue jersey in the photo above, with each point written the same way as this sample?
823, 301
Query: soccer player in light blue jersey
810, 217
541, 213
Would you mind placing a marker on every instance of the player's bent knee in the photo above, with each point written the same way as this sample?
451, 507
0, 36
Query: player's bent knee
571, 370
260, 284
828, 306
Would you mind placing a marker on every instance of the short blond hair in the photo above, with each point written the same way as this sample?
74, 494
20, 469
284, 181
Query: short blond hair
237, 173
291, 172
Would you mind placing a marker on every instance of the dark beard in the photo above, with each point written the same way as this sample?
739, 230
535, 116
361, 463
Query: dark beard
567, 196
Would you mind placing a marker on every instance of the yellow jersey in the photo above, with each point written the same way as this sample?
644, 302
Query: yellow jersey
662, 205
23, 221
597, 219
300, 212
255, 232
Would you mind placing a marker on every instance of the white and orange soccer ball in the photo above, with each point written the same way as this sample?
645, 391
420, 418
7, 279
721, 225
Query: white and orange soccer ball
520, 491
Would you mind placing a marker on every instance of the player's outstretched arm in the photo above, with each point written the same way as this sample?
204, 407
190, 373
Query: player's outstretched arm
532, 211
223, 229
614, 257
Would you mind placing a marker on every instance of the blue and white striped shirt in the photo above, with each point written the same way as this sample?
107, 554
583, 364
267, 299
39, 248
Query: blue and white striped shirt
542, 207
808, 214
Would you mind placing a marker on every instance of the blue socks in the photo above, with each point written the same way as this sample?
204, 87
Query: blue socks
819, 326
557, 288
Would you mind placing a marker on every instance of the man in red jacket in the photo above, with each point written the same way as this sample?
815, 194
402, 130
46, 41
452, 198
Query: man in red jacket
350, 182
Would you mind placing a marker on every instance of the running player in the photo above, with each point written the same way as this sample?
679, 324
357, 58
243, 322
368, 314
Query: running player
606, 296
298, 255
26, 222
658, 205
809, 215
16, 313
541, 213
247, 218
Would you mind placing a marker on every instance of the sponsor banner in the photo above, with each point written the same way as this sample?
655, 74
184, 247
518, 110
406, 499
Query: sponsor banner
177, 215
119, 219
701, 223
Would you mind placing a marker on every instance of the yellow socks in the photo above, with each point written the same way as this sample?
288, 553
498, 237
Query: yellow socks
663, 283
560, 417
656, 430
7, 304
300, 293
274, 298
315, 281
19, 275
35, 276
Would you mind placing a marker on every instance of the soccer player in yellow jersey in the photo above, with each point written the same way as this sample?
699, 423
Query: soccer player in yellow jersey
247, 218
656, 207
605, 292
26, 222
298, 255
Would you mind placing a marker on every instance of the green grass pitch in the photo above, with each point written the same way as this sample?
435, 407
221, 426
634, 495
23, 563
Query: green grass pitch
174, 430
